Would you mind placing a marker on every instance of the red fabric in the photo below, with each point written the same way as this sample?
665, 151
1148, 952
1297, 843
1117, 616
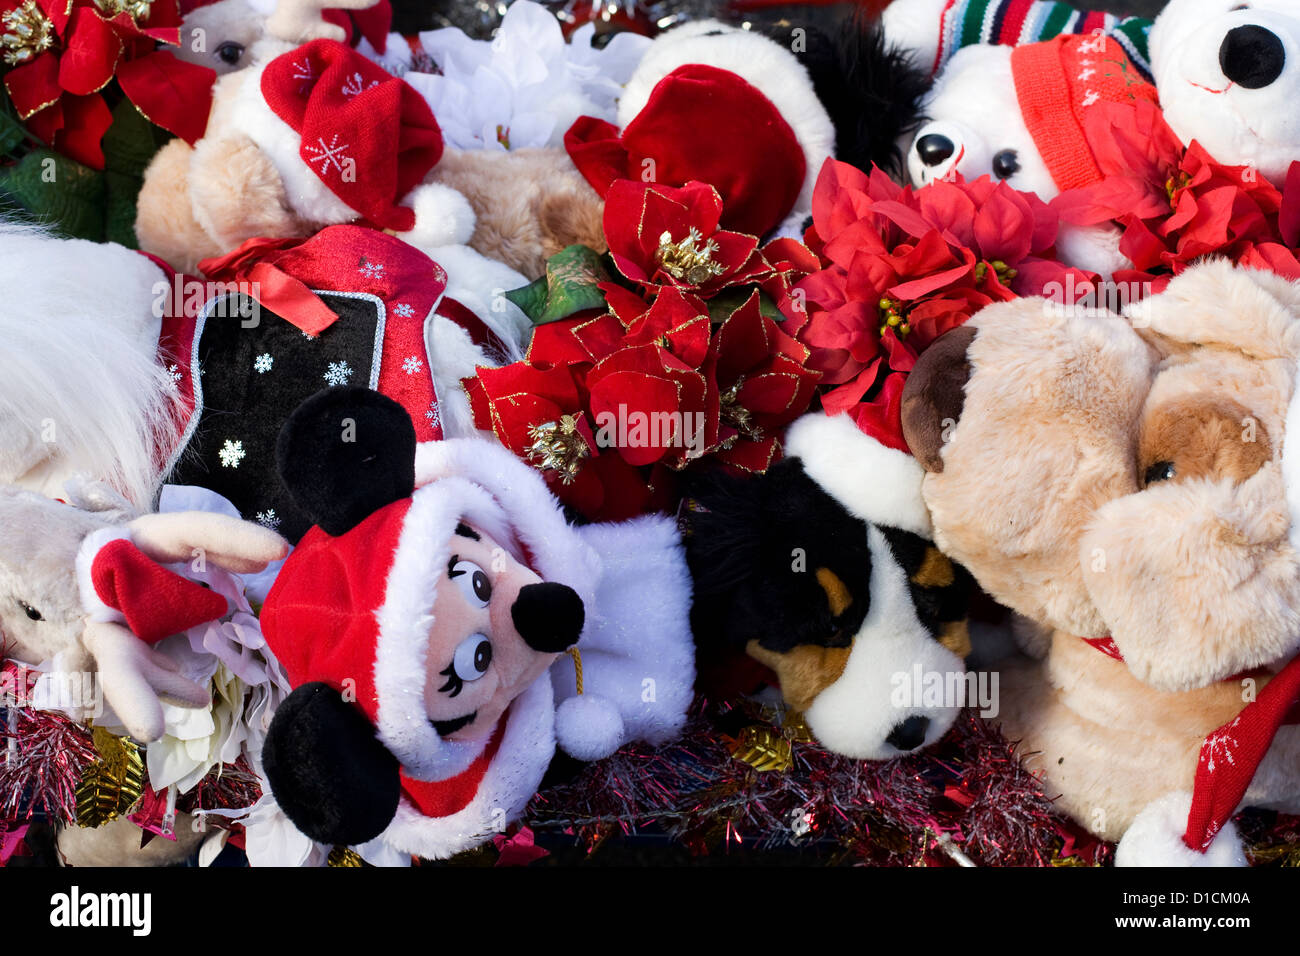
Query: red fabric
349, 258
1106, 645
156, 602
442, 798
1057, 84
372, 23
319, 618
708, 125
369, 136
1231, 755
170, 92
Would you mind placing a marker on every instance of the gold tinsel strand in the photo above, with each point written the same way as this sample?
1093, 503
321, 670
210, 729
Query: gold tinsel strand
763, 748
112, 785
557, 446
345, 856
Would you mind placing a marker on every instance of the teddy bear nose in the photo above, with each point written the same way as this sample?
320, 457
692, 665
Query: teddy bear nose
548, 616
934, 148
1252, 56
910, 734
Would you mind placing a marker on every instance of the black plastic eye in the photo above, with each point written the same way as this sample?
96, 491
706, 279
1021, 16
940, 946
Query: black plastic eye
31, 612
1160, 471
482, 586
482, 656
230, 52
1006, 164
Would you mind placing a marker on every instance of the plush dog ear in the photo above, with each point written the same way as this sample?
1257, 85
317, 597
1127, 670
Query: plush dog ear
934, 395
345, 453
327, 769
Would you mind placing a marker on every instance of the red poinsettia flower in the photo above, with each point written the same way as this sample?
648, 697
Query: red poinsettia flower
1175, 205
900, 267
763, 384
665, 236
62, 54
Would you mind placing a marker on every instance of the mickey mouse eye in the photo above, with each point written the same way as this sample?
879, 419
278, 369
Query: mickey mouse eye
31, 612
1160, 471
230, 52
472, 581
1006, 164
471, 660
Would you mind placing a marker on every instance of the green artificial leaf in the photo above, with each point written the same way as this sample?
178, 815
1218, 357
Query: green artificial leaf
569, 286
129, 146
57, 191
729, 300
12, 131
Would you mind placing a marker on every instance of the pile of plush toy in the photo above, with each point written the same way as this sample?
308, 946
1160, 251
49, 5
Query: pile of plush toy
808, 430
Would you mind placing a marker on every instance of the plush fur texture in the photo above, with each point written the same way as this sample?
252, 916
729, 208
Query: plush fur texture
114, 424
1050, 496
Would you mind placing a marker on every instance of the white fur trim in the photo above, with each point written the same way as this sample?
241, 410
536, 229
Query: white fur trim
509, 783
1155, 838
452, 357
96, 541
761, 62
480, 284
443, 217
404, 621
854, 715
876, 483
1291, 464
588, 727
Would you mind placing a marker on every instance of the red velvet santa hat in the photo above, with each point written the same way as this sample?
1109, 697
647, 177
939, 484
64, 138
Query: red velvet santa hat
368, 136
1057, 82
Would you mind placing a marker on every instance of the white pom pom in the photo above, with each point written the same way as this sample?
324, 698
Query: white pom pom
443, 217
588, 727
1155, 838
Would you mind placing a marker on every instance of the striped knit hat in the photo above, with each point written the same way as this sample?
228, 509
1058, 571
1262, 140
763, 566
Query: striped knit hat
1017, 22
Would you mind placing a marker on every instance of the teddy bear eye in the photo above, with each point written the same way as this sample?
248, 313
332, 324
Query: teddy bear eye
230, 52
472, 581
31, 612
1160, 471
1006, 164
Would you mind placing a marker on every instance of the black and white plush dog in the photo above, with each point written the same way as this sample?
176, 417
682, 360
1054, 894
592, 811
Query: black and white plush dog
822, 570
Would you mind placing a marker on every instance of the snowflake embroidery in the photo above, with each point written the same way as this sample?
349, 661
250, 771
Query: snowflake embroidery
175, 374
434, 415
262, 364
412, 365
269, 519
404, 310
329, 154
355, 85
1221, 745
232, 453
309, 337
371, 270
1092, 96
304, 71
338, 373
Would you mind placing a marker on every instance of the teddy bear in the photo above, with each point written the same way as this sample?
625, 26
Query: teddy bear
90, 588
1125, 484
444, 627
821, 570
142, 374
285, 156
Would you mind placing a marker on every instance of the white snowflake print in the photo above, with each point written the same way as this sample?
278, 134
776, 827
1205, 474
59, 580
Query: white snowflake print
232, 453
304, 71
329, 154
309, 337
371, 270
1220, 745
262, 364
404, 310
412, 365
175, 374
338, 373
434, 415
355, 85
269, 519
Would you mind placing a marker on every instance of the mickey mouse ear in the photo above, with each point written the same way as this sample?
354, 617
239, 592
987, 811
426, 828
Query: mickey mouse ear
345, 453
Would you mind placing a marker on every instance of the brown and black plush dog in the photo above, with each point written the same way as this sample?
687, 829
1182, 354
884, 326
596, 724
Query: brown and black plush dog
821, 570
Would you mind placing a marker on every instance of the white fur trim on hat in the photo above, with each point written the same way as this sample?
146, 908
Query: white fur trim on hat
759, 61
588, 727
877, 483
443, 217
1155, 838
404, 620
96, 541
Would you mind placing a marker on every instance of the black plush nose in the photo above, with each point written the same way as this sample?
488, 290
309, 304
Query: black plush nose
910, 734
934, 149
1251, 56
548, 616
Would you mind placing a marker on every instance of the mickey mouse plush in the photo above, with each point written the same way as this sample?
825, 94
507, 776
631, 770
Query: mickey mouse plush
423, 623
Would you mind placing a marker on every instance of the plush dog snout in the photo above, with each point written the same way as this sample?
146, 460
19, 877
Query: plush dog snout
1252, 56
548, 616
934, 395
910, 734
934, 148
